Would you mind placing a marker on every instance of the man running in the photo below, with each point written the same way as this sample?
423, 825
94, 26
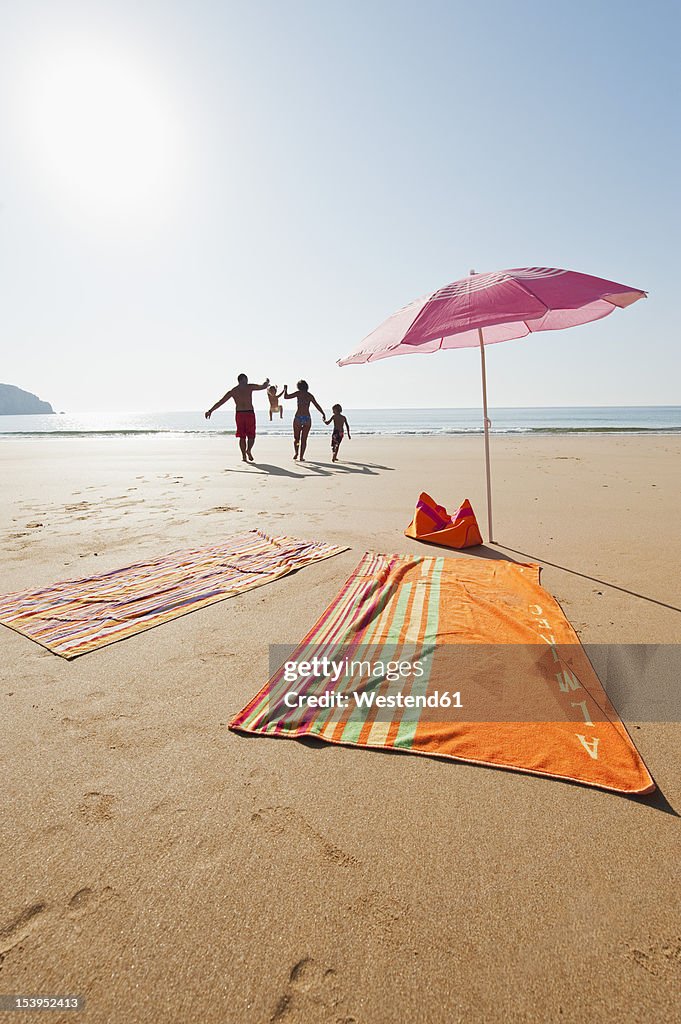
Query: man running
245, 414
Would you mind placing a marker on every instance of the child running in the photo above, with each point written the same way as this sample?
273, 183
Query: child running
274, 401
340, 425
302, 421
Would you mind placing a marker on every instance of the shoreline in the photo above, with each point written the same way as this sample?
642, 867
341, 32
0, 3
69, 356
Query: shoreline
323, 432
446, 422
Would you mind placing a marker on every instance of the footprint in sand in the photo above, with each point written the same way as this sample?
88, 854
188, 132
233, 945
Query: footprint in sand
73, 726
221, 508
261, 779
659, 959
313, 993
385, 919
166, 808
20, 927
87, 899
97, 808
208, 657
284, 820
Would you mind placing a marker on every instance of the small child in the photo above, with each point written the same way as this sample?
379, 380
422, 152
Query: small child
340, 425
274, 401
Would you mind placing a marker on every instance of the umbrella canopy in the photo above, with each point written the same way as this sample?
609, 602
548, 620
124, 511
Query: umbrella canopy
484, 309
504, 305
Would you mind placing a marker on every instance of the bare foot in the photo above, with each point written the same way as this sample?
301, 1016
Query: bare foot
244, 459
250, 457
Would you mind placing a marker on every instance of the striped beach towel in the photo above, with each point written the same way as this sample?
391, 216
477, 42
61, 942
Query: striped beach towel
78, 616
469, 659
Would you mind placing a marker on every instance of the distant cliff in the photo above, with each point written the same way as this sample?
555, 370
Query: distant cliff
15, 402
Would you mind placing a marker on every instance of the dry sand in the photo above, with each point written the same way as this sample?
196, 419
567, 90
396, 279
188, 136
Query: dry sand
169, 870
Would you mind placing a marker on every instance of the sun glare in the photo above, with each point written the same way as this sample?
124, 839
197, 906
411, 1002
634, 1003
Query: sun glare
102, 130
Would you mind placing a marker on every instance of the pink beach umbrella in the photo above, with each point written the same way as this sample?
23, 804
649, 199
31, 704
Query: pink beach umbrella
483, 309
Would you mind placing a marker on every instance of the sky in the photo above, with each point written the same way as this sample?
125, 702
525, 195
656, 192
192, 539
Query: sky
189, 191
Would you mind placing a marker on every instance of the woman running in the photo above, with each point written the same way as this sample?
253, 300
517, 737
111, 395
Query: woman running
302, 421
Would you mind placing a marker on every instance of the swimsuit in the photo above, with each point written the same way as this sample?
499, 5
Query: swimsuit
336, 438
245, 424
303, 420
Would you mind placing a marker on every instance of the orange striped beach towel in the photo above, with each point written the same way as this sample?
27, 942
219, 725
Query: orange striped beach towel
484, 630
79, 616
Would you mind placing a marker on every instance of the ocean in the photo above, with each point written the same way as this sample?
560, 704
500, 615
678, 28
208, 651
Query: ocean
659, 419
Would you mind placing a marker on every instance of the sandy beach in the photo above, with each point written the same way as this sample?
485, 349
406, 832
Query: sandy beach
169, 870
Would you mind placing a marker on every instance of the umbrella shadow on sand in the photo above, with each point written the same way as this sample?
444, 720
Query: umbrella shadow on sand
592, 579
484, 551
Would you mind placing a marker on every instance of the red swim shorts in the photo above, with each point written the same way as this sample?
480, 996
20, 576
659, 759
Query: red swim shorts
245, 424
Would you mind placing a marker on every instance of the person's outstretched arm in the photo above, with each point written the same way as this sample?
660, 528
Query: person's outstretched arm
328, 421
317, 405
291, 394
261, 387
225, 398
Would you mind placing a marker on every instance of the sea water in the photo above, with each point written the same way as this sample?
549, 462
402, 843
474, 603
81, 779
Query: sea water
605, 419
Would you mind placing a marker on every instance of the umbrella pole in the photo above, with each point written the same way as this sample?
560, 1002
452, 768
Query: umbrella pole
487, 425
